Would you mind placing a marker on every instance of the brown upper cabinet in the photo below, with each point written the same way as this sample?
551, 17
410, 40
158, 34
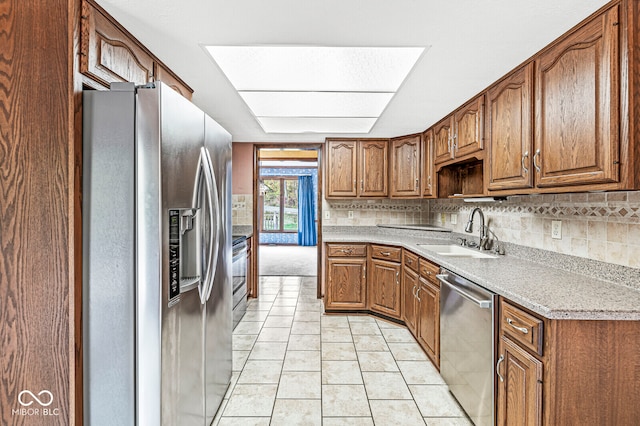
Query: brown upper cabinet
357, 168
461, 133
442, 135
469, 128
405, 166
577, 106
510, 109
108, 54
428, 178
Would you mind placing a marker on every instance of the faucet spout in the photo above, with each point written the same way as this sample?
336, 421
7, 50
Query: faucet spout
469, 227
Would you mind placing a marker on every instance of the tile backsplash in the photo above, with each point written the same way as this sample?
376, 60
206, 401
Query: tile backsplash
599, 226
373, 212
242, 209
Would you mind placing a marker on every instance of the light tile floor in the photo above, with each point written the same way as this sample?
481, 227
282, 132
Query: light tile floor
293, 365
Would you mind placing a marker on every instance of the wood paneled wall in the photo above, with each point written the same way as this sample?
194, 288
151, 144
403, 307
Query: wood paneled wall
37, 215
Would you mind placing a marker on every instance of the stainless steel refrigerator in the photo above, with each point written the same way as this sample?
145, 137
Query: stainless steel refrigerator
156, 313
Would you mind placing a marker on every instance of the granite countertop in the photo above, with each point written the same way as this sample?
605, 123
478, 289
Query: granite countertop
555, 293
242, 230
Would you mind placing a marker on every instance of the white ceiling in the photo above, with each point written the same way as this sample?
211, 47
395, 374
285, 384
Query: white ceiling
472, 44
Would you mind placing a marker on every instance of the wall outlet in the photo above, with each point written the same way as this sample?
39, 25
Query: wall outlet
556, 229
327, 215
350, 214
443, 218
454, 218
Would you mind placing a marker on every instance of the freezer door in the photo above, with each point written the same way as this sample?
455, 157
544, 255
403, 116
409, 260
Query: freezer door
108, 233
218, 320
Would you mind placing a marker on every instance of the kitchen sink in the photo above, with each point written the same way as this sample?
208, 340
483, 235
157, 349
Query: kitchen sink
453, 250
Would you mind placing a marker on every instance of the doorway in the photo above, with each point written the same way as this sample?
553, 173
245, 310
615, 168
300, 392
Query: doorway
287, 206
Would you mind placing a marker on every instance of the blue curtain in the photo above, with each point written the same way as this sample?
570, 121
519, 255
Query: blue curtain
306, 212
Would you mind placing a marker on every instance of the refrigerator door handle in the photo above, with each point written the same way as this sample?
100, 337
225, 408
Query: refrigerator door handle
214, 217
205, 170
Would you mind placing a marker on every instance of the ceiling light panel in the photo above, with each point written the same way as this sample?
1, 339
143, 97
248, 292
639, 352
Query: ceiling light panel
316, 124
308, 68
316, 104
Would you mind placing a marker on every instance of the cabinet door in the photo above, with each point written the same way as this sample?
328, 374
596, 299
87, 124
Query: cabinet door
405, 166
510, 105
384, 287
341, 168
346, 283
577, 98
442, 135
410, 285
429, 320
108, 54
520, 388
428, 179
373, 168
469, 128
167, 77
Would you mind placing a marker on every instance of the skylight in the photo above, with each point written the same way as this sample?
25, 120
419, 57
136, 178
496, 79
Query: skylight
304, 89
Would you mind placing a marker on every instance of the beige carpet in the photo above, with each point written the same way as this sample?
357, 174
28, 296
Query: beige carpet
288, 260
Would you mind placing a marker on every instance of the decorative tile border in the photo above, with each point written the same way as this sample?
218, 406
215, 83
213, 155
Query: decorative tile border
588, 206
378, 205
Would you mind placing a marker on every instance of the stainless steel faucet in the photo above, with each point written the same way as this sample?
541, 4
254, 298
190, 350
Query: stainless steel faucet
483, 233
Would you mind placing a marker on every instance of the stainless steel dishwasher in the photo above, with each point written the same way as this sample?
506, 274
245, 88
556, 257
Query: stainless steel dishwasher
467, 345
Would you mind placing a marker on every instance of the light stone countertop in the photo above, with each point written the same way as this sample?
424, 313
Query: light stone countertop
549, 291
246, 230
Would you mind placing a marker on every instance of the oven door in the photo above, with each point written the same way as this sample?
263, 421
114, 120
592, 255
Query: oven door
239, 267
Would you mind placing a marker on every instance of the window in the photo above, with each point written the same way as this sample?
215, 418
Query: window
280, 204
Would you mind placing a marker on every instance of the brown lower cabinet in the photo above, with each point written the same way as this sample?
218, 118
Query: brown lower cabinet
428, 334
346, 277
519, 386
384, 285
409, 308
566, 372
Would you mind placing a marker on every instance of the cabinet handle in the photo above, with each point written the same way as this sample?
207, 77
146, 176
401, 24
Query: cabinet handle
385, 253
418, 294
454, 145
523, 330
524, 168
413, 291
416, 183
397, 277
535, 163
498, 367
347, 251
429, 181
409, 261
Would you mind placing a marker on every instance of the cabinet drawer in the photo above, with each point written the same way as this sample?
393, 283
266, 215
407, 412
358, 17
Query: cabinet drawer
410, 260
346, 250
521, 326
429, 270
386, 253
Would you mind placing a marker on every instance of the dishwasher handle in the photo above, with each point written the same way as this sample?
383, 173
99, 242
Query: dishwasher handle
483, 304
